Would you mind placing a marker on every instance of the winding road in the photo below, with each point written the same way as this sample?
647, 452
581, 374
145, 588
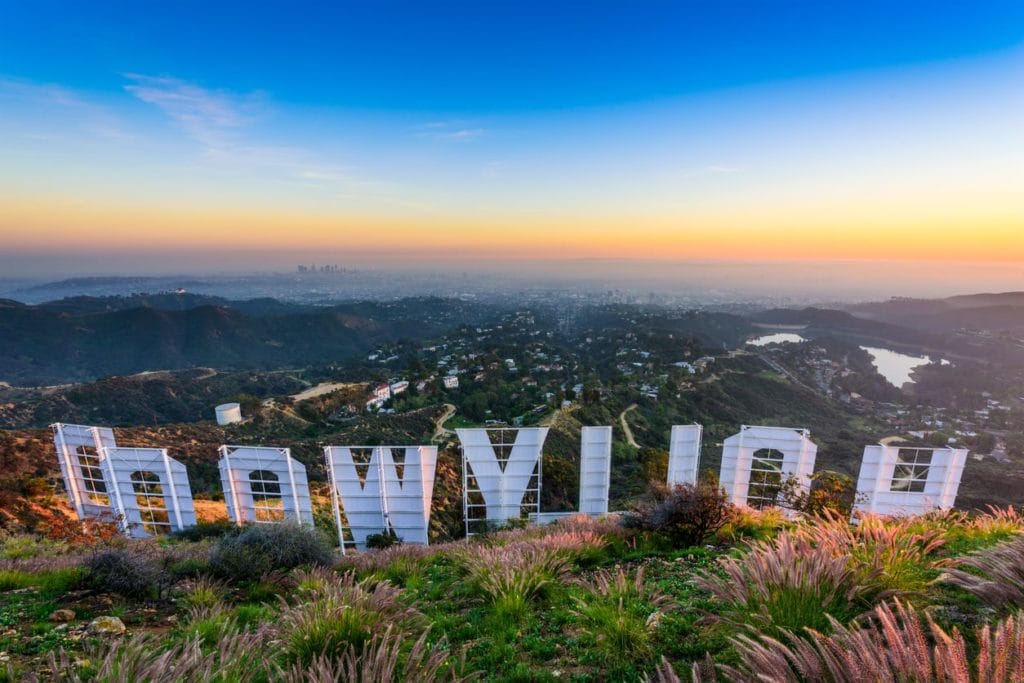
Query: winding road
625, 426
439, 430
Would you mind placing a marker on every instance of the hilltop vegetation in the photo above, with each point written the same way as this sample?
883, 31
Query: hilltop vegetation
741, 596
50, 344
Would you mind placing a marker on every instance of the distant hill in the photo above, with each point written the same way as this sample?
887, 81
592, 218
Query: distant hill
995, 312
824, 320
156, 398
72, 341
142, 282
167, 301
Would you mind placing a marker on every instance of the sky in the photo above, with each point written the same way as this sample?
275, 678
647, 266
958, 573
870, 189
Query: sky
267, 134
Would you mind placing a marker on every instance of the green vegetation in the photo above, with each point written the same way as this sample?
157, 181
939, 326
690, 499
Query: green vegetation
582, 599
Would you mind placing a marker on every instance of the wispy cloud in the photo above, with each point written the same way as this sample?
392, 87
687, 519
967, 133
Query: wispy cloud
221, 122
210, 117
92, 118
455, 131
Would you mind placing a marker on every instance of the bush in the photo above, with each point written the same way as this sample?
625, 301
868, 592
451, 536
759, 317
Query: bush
238, 656
751, 524
128, 573
260, 549
59, 581
686, 514
188, 568
26, 547
513, 575
829, 492
785, 585
205, 530
203, 593
12, 579
338, 613
621, 614
889, 556
385, 539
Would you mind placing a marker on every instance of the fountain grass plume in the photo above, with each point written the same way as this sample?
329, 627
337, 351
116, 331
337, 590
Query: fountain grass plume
995, 575
786, 584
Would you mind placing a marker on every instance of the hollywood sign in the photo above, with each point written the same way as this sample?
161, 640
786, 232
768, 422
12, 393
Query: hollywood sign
389, 489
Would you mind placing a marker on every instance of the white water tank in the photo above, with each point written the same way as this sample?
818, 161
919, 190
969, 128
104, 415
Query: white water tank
229, 413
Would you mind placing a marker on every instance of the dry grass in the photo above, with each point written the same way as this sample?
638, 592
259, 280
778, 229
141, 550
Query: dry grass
334, 613
386, 658
621, 613
895, 644
786, 584
996, 574
513, 575
237, 657
889, 555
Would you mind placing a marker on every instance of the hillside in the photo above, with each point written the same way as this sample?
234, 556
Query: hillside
146, 399
1002, 311
688, 588
72, 341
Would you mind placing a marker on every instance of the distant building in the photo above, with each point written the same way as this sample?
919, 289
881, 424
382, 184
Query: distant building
398, 387
381, 393
451, 382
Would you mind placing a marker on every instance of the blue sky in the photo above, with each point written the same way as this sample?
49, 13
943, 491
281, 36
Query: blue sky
486, 56
573, 129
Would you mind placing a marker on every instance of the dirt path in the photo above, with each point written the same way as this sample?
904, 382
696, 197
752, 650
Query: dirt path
439, 430
321, 389
625, 426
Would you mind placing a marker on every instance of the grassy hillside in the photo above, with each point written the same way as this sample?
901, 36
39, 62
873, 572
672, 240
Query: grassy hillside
752, 598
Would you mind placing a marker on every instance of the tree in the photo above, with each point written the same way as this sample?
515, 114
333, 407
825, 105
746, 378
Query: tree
831, 491
654, 463
984, 443
1015, 444
475, 406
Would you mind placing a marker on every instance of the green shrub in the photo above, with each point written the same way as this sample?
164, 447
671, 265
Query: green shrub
784, 586
205, 530
621, 615
59, 581
995, 575
751, 524
209, 625
12, 579
383, 540
249, 616
387, 657
189, 568
26, 547
126, 572
203, 593
514, 575
260, 549
889, 556
896, 643
340, 614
